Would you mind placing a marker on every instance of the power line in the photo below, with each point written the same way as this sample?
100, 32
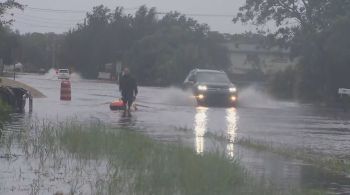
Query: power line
42, 26
200, 14
46, 18
56, 10
134, 8
54, 26
68, 10
47, 21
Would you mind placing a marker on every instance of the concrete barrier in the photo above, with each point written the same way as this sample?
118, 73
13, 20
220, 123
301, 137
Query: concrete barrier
16, 98
5, 82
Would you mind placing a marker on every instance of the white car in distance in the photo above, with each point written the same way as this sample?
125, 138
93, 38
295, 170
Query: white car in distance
63, 74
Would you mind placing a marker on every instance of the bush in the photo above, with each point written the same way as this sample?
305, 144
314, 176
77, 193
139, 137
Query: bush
4, 111
282, 84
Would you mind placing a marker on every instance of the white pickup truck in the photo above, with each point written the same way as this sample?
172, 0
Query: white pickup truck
343, 91
63, 74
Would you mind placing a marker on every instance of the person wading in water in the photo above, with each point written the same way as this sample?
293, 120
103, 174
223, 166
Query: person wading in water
128, 89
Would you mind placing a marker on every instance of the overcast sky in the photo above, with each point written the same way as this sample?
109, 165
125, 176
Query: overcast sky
36, 20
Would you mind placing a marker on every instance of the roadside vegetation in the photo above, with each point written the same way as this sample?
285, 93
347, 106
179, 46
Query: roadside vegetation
126, 162
160, 48
326, 162
316, 31
4, 114
4, 111
329, 163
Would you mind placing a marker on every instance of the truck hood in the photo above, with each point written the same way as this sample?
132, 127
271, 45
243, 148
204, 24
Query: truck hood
219, 85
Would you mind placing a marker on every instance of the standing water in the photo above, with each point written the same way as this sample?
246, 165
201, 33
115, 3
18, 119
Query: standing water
169, 114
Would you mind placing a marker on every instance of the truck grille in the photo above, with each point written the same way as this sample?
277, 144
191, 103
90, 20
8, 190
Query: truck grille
218, 88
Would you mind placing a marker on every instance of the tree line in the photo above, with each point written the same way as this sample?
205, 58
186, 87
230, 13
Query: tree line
317, 32
160, 50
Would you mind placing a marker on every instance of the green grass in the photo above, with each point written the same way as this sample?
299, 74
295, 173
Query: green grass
4, 111
4, 114
324, 162
140, 165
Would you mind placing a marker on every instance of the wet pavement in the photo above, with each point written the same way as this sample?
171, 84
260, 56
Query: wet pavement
170, 114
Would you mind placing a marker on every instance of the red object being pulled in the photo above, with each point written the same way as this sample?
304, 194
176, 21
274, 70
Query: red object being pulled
117, 105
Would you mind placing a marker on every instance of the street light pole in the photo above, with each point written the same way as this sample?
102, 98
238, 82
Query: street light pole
14, 63
1, 67
14, 71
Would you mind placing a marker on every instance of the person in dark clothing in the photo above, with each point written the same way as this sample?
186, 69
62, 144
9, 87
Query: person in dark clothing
128, 89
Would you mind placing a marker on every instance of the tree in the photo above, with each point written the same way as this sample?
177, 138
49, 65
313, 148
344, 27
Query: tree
312, 15
5, 7
158, 50
9, 44
8, 39
305, 26
87, 48
39, 51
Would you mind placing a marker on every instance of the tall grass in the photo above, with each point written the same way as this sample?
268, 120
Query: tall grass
97, 159
325, 162
140, 165
4, 114
4, 110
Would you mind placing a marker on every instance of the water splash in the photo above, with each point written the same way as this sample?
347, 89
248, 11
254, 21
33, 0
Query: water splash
75, 77
51, 74
254, 97
177, 97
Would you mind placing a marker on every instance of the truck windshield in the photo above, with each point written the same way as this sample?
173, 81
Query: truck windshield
210, 77
63, 71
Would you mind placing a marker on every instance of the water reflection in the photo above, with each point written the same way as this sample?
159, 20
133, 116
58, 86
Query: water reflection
127, 122
200, 128
231, 120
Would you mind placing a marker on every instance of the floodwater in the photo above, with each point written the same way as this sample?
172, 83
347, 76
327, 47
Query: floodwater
169, 114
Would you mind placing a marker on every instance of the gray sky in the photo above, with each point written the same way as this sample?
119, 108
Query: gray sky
34, 20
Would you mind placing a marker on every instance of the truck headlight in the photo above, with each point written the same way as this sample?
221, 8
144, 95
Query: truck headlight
233, 98
233, 89
202, 88
200, 96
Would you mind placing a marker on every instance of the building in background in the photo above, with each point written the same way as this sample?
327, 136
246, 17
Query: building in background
110, 71
250, 56
18, 67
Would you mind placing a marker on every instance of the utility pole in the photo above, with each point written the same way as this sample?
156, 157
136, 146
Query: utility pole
1, 67
14, 64
53, 53
118, 69
14, 71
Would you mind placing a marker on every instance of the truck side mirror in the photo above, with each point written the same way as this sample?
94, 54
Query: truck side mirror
192, 80
188, 84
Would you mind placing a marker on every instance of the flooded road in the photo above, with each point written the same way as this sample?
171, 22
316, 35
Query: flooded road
169, 114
